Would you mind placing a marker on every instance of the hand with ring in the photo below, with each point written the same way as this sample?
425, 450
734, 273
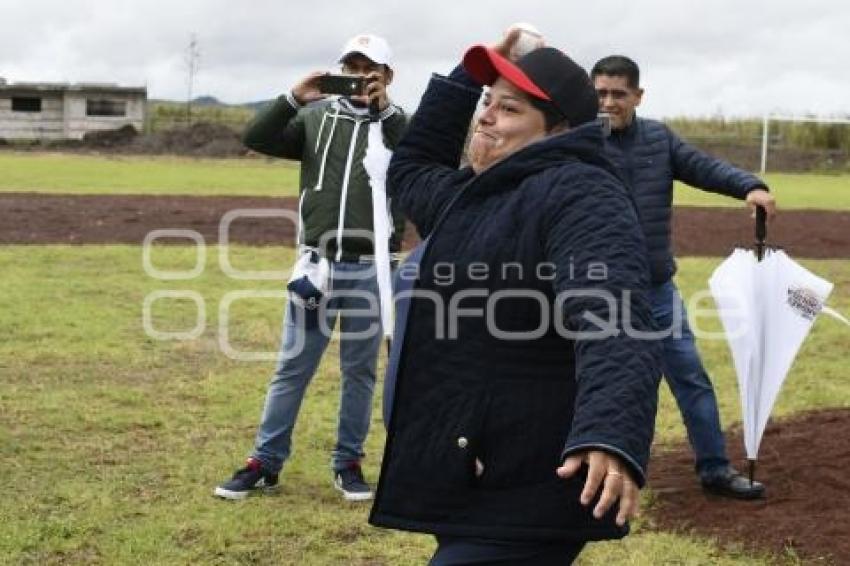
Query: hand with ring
605, 471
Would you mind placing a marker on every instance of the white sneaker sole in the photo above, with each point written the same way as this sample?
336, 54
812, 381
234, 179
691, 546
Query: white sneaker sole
353, 495
239, 495
349, 496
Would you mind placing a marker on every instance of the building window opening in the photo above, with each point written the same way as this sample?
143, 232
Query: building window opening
104, 107
26, 104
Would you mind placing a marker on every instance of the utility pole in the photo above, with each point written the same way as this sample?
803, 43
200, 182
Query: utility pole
193, 56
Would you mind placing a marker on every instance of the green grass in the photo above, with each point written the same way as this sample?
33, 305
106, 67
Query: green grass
92, 174
792, 191
112, 441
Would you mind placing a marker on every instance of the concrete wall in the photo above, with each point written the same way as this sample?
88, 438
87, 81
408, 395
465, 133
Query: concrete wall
47, 124
63, 114
77, 123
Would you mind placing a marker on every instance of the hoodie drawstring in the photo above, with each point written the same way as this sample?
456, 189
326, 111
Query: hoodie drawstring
300, 238
327, 147
321, 129
345, 179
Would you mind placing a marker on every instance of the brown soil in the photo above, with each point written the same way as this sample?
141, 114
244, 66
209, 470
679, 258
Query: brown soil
32, 218
705, 231
804, 464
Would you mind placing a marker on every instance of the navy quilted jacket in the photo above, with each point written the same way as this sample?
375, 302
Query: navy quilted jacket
490, 381
650, 157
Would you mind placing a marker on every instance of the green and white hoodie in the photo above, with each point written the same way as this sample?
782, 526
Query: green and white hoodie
329, 139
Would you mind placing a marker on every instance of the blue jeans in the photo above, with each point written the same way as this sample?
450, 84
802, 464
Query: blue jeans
460, 550
688, 380
301, 351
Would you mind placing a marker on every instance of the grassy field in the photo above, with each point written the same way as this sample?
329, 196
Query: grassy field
90, 174
111, 442
792, 191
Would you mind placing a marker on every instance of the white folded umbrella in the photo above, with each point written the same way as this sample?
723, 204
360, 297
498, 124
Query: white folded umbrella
767, 305
767, 308
376, 161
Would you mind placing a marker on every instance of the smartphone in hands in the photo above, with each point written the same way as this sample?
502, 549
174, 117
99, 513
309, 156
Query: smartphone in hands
343, 85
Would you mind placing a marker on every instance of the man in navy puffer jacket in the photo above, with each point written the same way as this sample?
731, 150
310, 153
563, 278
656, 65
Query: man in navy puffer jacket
650, 157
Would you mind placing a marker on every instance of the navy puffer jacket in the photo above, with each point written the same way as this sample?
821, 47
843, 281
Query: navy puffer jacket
478, 422
650, 157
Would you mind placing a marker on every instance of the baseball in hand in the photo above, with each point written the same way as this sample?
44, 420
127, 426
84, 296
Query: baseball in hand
529, 39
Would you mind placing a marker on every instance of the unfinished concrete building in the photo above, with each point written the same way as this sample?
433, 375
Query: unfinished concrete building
57, 111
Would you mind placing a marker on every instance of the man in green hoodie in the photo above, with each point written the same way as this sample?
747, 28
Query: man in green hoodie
328, 135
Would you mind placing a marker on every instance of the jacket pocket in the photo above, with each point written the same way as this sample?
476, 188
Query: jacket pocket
438, 440
524, 433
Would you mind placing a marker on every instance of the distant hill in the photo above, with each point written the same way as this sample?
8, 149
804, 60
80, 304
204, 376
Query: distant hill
208, 100
211, 101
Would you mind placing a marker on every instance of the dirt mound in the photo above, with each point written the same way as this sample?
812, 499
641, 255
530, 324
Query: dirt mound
108, 139
803, 462
202, 139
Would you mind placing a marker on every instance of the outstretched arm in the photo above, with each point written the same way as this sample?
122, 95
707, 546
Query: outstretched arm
708, 173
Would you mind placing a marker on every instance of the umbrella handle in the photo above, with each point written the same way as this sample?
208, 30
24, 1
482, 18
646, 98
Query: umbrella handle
761, 231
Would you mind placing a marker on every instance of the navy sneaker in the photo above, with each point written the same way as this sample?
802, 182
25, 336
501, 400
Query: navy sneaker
727, 482
350, 482
246, 481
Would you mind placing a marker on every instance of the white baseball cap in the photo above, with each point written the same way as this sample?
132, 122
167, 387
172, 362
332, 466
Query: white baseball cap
374, 47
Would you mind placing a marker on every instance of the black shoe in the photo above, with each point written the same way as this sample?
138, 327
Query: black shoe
351, 483
727, 482
249, 479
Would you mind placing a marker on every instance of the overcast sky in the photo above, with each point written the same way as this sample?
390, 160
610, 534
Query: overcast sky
736, 58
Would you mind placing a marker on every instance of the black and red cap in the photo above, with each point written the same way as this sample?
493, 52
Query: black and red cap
545, 73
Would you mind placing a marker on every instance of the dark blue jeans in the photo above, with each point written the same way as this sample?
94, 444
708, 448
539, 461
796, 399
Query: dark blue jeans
688, 380
454, 551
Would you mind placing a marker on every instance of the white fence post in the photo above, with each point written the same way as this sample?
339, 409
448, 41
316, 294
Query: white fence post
765, 138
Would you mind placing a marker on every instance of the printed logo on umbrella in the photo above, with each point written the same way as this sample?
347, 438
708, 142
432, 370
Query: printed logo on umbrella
804, 302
